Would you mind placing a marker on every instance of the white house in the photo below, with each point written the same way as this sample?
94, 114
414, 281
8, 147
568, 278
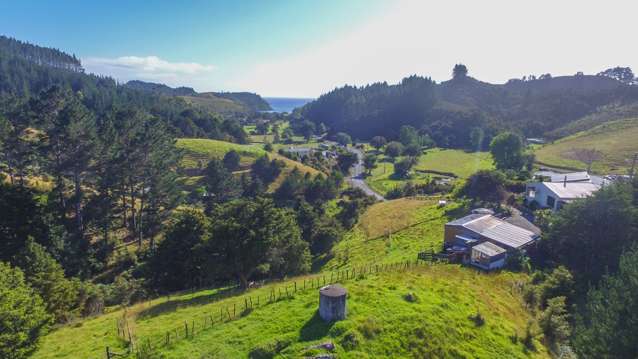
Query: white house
554, 195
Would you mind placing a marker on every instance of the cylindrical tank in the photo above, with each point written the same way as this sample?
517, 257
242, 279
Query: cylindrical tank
332, 303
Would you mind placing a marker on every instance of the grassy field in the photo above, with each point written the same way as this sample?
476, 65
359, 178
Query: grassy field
462, 164
197, 150
423, 311
434, 321
202, 149
392, 231
616, 140
433, 162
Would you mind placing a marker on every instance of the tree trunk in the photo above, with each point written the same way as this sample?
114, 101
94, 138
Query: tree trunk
243, 281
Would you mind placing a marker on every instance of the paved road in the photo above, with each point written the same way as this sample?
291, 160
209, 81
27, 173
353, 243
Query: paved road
356, 178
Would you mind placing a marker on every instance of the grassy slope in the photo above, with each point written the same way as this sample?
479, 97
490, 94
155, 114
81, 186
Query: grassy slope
210, 102
460, 163
385, 324
198, 149
617, 140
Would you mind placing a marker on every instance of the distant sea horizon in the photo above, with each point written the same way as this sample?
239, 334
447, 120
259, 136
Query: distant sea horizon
286, 104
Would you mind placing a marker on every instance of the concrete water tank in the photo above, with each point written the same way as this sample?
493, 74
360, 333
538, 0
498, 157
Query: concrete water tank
332, 303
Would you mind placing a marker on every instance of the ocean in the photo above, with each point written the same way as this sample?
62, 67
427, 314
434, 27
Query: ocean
286, 104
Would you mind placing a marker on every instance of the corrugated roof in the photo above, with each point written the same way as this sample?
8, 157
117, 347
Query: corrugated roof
469, 218
489, 249
571, 190
496, 230
571, 177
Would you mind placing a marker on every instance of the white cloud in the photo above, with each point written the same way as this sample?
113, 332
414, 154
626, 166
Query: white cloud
496, 39
150, 68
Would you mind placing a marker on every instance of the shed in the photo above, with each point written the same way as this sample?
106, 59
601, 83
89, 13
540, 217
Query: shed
488, 256
332, 303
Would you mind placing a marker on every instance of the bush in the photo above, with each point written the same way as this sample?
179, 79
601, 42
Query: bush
370, 328
270, 348
351, 340
554, 321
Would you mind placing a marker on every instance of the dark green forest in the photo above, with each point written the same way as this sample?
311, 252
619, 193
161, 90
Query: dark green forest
449, 111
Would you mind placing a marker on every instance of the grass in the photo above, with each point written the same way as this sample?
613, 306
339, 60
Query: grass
462, 164
425, 311
434, 162
435, 321
616, 140
392, 231
202, 149
198, 150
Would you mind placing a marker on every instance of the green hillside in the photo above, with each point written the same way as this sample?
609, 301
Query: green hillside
435, 161
616, 141
212, 103
424, 310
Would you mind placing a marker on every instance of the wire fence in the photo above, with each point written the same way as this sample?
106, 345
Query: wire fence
146, 347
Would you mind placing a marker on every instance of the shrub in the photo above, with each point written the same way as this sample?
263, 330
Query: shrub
351, 340
370, 328
270, 348
411, 297
478, 319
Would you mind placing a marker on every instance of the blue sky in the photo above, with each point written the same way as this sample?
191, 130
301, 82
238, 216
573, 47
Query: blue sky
304, 48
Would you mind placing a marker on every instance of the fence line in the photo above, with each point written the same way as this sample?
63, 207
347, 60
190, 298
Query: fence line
144, 348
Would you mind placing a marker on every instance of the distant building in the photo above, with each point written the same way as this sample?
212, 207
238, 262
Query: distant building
299, 151
485, 241
536, 141
548, 176
554, 195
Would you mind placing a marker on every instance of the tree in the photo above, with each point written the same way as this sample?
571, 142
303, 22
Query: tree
554, 321
343, 138
262, 128
622, 74
248, 235
608, 322
321, 129
378, 142
266, 170
408, 136
220, 184
459, 71
403, 167
476, 138
412, 150
231, 160
307, 129
370, 163
46, 276
23, 318
345, 160
394, 149
174, 265
588, 235
485, 185
507, 151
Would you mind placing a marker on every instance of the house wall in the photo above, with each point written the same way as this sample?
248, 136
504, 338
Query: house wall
451, 231
541, 192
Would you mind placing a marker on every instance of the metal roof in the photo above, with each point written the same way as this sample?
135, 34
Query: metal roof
571, 190
571, 177
489, 249
496, 230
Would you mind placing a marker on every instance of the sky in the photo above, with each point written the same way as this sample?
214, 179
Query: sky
303, 48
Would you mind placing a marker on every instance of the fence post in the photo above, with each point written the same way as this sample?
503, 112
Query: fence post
108, 353
185, 330
234, 311
193, 329
295, 286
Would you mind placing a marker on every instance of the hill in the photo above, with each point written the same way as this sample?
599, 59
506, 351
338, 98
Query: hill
198, 151
219, 102
425, 310
616, 141
450, 110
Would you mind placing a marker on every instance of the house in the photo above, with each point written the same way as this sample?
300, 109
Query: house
554, 195
485, 241
299, 151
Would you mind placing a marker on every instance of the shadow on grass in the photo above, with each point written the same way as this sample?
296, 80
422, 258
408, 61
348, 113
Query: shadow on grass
320, 261
172, 305
315, 328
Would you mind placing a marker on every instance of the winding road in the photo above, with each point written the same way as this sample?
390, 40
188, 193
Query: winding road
356, 178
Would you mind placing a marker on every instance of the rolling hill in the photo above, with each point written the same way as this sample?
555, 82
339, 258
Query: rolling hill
420, 310
616, 141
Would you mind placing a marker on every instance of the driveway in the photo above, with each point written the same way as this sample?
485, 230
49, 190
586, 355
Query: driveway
356, 178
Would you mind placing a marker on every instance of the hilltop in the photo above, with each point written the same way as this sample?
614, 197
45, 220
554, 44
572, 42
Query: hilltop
448, 111
220, 102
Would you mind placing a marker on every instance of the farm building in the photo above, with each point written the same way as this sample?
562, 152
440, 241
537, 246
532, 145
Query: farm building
554, 195
485, 241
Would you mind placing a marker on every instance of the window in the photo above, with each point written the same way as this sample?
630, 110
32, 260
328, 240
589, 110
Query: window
551, 201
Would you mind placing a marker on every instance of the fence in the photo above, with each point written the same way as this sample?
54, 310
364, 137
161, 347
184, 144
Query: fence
145, 347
